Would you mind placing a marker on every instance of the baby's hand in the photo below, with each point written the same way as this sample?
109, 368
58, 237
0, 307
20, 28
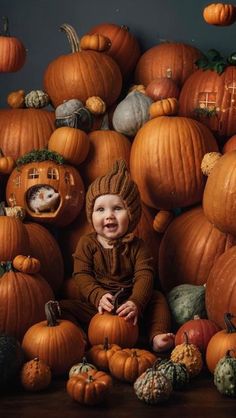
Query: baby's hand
163, 342
106, 303
129, 311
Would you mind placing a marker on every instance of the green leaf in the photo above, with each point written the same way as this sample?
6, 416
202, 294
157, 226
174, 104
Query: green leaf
202, 63
219, 67
232, 59
40, 155
213, 55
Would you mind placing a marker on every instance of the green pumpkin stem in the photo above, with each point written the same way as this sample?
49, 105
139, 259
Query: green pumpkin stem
5, 26
230, 328
71, 36
52, 311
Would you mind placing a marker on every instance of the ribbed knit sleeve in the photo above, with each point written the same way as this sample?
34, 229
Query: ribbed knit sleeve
143, 277
89, 288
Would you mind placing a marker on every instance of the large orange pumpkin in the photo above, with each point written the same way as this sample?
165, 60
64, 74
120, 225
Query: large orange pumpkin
190, 237
220, 296
219, 203
59, 343
124, 47
22, 130
165, 161
82, 74
12, 51
22, 300
210, 98
168, 59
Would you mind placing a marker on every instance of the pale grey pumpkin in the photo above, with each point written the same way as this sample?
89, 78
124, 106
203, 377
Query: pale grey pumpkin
131, 113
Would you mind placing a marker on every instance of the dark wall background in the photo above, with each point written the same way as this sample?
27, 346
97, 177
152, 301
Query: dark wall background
37, 22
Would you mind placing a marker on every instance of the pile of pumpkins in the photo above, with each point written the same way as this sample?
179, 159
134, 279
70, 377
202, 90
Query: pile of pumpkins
179, 141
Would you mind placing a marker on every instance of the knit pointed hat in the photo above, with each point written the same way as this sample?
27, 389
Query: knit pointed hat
117, 181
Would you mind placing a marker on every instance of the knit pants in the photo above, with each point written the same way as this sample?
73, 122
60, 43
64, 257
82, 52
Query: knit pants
156, 318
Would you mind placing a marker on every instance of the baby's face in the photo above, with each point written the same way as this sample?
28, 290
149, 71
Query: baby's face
110, 217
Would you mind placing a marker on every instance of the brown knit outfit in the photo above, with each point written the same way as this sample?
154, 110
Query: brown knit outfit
128, 265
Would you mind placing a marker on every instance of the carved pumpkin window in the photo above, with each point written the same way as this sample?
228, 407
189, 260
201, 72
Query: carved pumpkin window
207, 100
17, 181
33, 173
52, 173
69, 179
231, 88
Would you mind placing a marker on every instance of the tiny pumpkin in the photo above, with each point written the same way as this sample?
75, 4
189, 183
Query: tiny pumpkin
96, 105
100, 354
96, 42
89, 388
219, 14
81, 367
35, 375
16, 99
177, 373
37, 99
165, 107
7, 163
225, 375
26, 264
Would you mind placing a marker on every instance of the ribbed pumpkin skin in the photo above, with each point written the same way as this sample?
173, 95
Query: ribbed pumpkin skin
115, 328
71, 143
219, 344
230, 144
174, 59
22, 300
165, 161
22, 130
44, 246
129, 364
219, 203
106, 146
124, 48
60, 346
13, 54
191, 237
13, 237
217, 88
81, 75
221, 287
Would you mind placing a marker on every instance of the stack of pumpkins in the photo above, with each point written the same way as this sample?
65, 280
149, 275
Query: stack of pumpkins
163, 127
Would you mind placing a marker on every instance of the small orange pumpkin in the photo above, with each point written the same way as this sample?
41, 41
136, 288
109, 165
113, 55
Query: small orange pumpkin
100, 354
221, 342
188, 354
89, 388
26, 264
219, 14
7, 164
16, 99
96, 42
71, 143
129, 364
165, 107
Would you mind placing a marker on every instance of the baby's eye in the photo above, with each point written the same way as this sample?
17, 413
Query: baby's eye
118, 208
100, 209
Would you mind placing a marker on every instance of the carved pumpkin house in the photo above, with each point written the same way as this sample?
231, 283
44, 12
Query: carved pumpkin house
50, 191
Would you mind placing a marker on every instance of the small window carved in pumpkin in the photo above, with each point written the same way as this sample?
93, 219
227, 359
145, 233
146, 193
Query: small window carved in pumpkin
53, 173
231, 96
17, 181
69, 179
207, 100
43, 198
33, 173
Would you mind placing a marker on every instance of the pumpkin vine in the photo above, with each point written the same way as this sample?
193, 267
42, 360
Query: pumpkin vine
40, 155
213, 60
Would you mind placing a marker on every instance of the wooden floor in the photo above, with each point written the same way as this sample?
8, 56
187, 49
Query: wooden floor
199, 400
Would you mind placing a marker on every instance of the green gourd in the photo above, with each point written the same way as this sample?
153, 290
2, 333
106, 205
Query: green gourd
131, 113
177, 373
185, 301
152, 387
11, 359
225, 375
37, 99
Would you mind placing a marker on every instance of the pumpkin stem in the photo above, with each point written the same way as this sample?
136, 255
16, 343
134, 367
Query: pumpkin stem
52, 310
71, 36
5, 26
1, 153
106, 344
186, 341
230, 328
116, 298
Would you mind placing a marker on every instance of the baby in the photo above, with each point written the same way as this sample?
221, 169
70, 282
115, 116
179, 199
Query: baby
112, 257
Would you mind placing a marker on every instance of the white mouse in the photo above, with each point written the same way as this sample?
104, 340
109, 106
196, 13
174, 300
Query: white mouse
43, 199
